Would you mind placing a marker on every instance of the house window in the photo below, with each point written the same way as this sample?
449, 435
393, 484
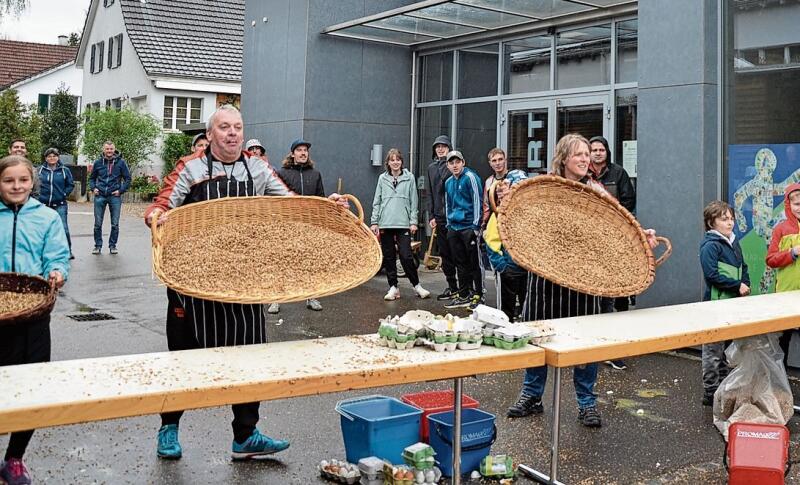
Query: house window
108, 3
115, 48
181, 111
46, 100
97, 57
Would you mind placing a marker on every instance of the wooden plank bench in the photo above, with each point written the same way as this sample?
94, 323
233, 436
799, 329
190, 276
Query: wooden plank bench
78, 391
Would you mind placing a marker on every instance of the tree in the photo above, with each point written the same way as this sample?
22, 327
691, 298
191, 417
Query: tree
61, 122
134, 134
175, 146
20, 121
74, 39
12, 7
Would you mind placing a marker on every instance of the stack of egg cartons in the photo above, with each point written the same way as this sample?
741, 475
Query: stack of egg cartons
371, 469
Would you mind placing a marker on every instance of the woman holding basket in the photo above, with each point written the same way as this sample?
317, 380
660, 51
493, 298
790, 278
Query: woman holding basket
548, 300
34, 243
394, 222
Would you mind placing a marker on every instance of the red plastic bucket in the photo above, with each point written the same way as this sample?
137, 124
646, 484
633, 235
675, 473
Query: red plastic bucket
432, 402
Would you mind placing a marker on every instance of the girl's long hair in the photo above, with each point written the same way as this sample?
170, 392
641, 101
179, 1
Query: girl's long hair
393, 152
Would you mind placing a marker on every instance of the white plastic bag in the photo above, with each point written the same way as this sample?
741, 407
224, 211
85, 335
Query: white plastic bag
757, 389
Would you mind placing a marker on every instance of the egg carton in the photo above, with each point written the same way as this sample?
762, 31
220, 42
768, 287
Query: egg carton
339, 471
371, 469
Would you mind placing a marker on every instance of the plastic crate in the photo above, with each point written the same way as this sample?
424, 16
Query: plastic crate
478, 433
432, 402
378, 426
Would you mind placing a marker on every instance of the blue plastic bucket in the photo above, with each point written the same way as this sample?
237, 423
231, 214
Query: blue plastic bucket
478, 432
378, 426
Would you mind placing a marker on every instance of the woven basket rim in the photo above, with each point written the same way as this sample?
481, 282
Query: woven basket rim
609, 205
34, 312
372, 256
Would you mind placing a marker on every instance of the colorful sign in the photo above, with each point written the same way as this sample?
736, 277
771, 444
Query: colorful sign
757, 178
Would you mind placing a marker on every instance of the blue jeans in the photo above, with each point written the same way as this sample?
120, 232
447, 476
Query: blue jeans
584, 378
114, 204
62, 211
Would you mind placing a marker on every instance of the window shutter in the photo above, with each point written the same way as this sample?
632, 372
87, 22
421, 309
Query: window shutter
101, 46
119, 50
91, 67
110, 52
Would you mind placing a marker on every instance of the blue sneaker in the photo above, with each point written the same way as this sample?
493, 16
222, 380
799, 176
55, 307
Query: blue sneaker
168, 445
257, 445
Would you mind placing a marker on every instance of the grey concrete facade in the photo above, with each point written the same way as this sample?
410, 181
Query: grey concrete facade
341, 95
677, 146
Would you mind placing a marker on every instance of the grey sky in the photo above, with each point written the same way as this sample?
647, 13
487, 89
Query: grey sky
44, 20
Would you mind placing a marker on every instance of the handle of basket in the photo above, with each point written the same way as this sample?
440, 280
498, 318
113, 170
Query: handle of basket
430, 241
352, 198
667, 250
154, 224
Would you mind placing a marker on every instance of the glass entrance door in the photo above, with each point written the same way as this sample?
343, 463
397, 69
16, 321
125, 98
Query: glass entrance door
530, 129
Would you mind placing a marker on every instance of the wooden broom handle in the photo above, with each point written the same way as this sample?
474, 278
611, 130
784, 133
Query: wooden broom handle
667, 251
352, 198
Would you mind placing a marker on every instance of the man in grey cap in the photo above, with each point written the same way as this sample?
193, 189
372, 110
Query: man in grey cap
437, 174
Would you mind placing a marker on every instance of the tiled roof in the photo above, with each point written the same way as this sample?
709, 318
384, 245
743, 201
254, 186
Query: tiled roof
21, 60
187, 38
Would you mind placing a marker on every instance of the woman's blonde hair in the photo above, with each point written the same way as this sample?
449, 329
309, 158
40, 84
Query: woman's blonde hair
393, 152
14, 160
565, 147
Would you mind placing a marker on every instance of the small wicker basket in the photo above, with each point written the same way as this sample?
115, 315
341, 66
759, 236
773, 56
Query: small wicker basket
24, 283
195, 219
577, 237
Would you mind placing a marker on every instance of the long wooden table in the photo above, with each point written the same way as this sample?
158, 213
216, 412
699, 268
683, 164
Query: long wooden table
79, 391
597, 338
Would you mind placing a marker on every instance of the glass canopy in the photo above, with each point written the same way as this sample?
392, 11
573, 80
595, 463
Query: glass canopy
433, 20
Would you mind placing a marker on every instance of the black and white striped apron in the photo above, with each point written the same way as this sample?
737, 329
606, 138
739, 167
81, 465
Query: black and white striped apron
219, 324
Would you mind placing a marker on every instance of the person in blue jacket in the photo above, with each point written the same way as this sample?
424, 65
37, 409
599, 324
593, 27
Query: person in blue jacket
463, 193
55, 185
32, 241
110, 179
726, 276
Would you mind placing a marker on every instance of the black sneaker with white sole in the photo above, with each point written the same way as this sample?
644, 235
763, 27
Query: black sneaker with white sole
447, 294
525, 406
616, 364
460, 302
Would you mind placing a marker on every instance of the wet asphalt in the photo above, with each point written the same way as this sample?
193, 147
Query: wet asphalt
655, 430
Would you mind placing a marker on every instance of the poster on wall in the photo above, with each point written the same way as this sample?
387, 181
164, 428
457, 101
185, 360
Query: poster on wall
757, 178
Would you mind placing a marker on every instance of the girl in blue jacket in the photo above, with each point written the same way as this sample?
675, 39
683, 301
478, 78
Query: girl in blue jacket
394, 222
55, 185
32, 241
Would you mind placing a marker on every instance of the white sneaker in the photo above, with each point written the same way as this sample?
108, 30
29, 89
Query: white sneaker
274, 308
421, 292
392, 294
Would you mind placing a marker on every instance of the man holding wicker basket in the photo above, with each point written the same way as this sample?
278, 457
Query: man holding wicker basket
221, 170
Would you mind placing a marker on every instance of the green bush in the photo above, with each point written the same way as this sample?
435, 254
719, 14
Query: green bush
144, 184
175, 146
61, 123
134, 134
20, 121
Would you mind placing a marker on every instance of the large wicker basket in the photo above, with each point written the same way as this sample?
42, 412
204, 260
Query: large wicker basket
194, 219
577, 237
24, 283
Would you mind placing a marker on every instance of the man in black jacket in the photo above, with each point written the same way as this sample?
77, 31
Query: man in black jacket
617, 182
299, 174
437, 174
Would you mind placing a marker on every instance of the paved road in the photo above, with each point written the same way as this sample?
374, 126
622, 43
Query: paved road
672, 441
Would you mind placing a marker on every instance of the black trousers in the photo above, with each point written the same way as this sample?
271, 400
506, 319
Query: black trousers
392, 241
465, 251
181, 336
448, 260
513, 287
25, 343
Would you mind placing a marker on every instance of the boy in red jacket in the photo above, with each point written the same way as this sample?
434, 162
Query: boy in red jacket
784, 248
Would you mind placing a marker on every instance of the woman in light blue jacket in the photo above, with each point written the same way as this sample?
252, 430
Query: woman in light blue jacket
394, 221
32, 241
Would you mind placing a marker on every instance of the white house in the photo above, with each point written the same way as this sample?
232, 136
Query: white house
36, 71
175, 59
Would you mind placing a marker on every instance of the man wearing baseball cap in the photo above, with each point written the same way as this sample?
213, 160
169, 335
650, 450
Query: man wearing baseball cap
464, 209
298, 172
